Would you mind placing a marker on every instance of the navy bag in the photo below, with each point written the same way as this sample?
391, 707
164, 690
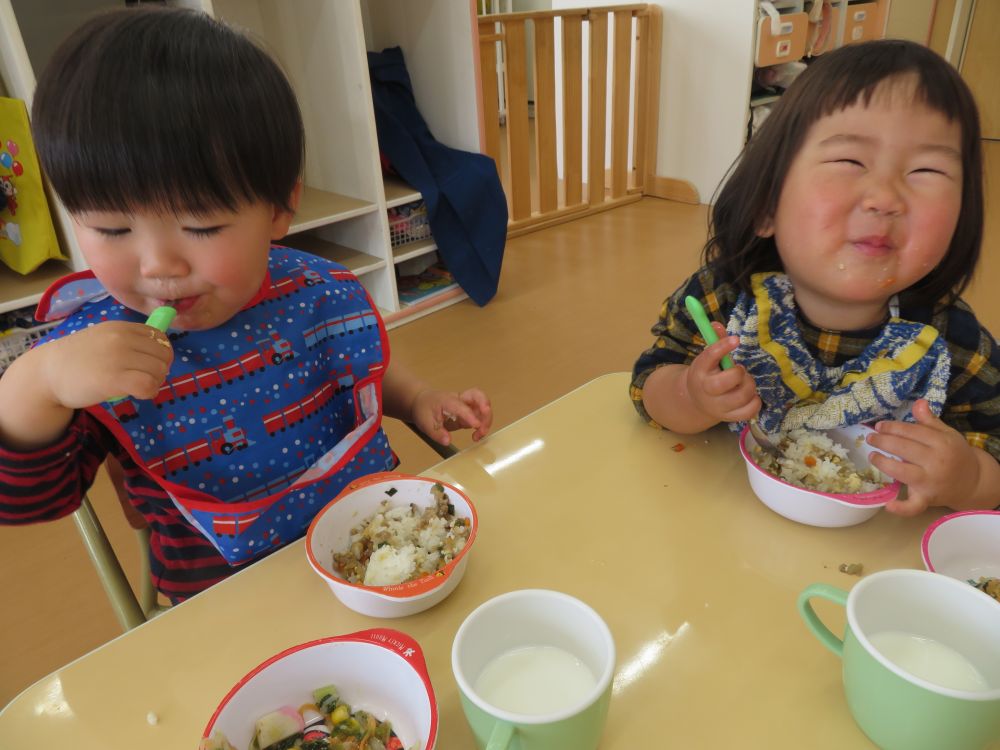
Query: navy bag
465, 201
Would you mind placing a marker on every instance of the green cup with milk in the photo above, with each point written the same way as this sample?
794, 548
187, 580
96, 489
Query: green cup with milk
921, 659
534, 670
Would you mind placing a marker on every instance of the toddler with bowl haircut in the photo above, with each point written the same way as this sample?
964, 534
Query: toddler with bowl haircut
176, 145
838, 248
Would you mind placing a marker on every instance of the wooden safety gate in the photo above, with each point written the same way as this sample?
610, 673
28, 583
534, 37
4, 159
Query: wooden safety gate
591, 144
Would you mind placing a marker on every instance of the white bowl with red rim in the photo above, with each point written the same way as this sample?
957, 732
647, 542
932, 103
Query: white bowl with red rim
330, 531
813, 507
381, 671
964, 545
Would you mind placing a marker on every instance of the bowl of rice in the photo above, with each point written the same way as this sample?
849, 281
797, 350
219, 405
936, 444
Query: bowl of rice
373, 682
392, 544
820, 478
966, 546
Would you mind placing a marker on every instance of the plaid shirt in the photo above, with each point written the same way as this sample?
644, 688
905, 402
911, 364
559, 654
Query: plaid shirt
973, 403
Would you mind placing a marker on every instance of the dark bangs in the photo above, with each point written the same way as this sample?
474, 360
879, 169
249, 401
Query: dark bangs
850, 75
166, 109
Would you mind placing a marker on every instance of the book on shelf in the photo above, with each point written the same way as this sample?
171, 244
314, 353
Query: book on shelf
418, 288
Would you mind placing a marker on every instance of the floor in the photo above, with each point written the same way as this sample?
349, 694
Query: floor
575, 301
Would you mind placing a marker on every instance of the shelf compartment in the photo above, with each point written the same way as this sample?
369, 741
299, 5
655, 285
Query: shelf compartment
17, 291
354, 260
412, 250
321, 207
398, 192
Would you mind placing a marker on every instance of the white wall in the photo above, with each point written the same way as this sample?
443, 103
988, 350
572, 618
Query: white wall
706, 65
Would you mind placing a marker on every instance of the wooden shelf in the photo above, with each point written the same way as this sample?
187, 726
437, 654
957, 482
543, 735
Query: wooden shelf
17, 291
321, 207
398, 192
354, 260
413, 249
430, 304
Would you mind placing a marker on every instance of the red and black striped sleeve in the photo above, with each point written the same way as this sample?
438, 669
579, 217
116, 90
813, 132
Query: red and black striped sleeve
49, 483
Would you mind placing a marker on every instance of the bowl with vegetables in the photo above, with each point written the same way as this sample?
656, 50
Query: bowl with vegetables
393, 544
363, 691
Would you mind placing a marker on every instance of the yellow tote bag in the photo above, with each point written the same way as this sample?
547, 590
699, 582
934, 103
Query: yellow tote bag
27, 237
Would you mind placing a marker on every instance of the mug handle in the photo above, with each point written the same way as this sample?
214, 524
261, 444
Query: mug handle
500, 737
821, 631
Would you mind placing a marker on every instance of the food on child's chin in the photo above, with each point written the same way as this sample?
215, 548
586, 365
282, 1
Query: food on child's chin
401, 544
811, 460
326, 724
988, 584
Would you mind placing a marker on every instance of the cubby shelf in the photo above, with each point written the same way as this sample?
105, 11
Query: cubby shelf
322, 46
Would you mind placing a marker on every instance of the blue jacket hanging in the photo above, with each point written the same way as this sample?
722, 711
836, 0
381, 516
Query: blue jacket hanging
466, 206
263, 420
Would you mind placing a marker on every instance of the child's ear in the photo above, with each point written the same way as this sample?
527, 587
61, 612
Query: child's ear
282, 219
766, 227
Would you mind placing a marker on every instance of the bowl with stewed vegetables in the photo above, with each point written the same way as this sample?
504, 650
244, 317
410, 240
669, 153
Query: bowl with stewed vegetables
393, 544
364, 691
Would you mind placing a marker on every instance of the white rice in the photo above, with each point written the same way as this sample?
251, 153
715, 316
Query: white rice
813, 461
404, 543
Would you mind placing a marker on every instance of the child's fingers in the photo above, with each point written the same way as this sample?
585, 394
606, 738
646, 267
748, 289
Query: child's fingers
456, 414
744, 412
480, 403
924, 416
710, 358
141, 383
484, 410
904, 438
912, 505
896, 468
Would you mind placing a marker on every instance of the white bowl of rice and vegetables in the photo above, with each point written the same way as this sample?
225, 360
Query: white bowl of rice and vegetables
819, 478
363, 691
391, 544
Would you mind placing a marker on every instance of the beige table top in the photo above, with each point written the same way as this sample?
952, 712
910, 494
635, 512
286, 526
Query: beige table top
695, 577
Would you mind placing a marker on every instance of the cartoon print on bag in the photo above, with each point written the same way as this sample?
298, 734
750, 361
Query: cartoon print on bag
8, 191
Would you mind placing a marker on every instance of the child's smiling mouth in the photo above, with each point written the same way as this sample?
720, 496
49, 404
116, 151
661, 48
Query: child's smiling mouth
874, 244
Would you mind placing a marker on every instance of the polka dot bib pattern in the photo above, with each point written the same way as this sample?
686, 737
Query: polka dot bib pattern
263, 420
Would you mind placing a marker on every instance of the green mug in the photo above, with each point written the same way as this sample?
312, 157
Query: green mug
524, 630
921, 659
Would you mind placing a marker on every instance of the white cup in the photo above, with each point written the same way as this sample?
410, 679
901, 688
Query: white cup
530, 619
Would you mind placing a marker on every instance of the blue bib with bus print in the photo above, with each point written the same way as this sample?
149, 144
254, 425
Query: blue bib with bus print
261, 421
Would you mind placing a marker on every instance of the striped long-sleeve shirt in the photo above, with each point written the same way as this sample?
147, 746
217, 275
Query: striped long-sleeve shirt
49, 483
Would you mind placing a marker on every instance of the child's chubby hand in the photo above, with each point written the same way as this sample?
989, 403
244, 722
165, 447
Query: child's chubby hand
103, 362
437, 413
935, 462
725, 395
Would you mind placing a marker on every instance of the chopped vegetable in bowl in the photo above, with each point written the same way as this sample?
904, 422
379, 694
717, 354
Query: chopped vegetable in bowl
326, 724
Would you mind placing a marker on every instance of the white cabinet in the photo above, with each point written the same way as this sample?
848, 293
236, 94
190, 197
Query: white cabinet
321, 45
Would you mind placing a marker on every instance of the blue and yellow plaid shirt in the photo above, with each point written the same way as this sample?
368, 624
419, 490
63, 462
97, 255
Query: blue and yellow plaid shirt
973, 398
